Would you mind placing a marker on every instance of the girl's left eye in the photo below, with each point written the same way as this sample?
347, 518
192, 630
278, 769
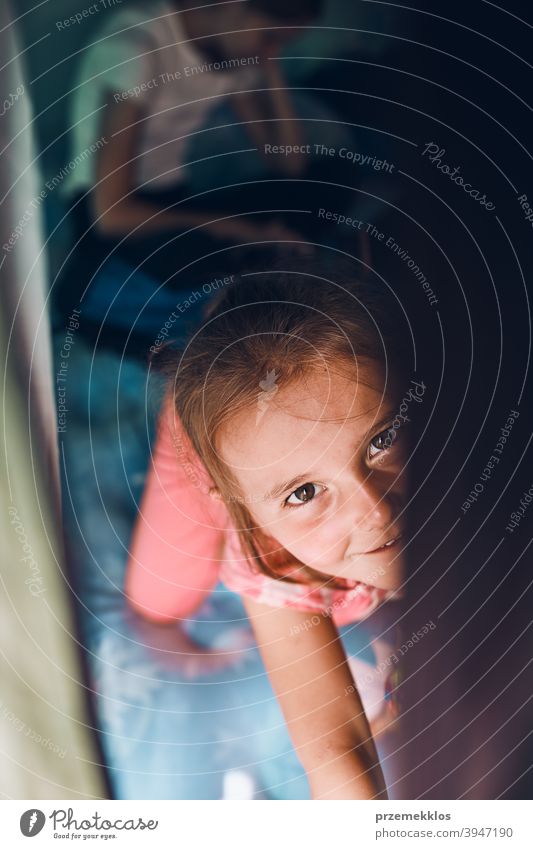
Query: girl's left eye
304, 494
382, 442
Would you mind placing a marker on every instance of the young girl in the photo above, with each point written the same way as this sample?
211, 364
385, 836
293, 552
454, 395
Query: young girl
278, 470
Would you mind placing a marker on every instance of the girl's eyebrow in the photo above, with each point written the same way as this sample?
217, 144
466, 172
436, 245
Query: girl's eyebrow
281, 488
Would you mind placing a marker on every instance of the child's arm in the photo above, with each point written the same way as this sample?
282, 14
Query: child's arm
177, 539
118, 210
309, 672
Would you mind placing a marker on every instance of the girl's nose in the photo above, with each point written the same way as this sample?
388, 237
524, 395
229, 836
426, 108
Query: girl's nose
372, 507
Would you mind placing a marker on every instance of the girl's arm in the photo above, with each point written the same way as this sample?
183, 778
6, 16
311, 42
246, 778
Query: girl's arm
176, 543
309, 672
117, 210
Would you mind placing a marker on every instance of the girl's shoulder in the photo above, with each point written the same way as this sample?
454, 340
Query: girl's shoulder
135, 29
241, 575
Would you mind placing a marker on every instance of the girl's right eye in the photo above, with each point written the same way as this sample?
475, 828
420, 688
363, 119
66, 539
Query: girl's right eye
304, 494
382, 442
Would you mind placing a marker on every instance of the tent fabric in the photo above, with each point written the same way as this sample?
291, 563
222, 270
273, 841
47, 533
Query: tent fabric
47, 747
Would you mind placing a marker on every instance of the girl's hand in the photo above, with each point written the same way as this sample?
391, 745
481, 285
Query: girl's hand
309, 672
244, 230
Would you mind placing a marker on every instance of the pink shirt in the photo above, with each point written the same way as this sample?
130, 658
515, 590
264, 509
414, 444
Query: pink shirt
241, 575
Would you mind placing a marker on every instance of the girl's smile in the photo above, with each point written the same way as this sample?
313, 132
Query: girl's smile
323, 472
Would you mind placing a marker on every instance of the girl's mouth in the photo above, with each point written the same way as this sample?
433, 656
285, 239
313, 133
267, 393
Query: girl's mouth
391, 543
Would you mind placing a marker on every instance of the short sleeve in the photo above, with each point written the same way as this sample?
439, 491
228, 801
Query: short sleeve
123, 62
240, 575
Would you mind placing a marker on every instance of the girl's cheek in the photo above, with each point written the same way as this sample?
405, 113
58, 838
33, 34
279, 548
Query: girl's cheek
322, 546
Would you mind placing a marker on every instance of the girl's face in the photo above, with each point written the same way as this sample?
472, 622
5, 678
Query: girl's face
320, 470
246, 32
